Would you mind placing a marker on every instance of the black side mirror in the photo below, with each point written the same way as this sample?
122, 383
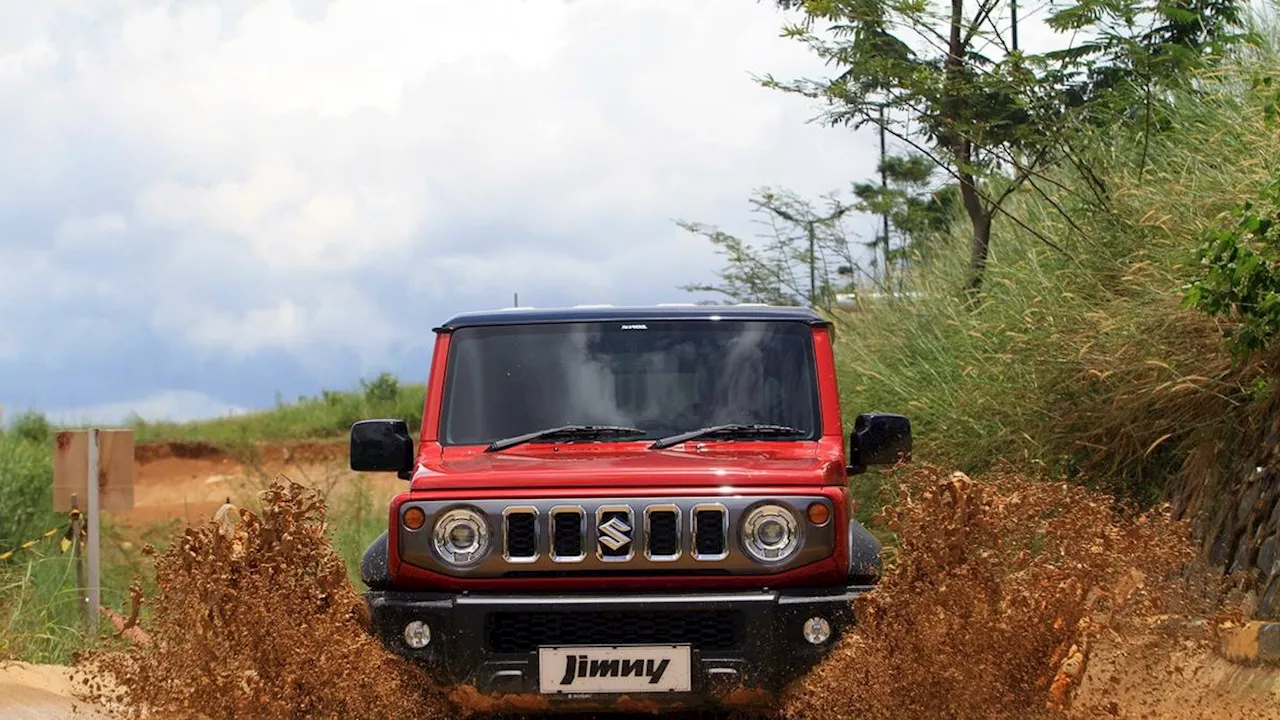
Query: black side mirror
879, 439
382, 446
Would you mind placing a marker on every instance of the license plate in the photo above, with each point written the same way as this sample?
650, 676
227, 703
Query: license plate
622, 669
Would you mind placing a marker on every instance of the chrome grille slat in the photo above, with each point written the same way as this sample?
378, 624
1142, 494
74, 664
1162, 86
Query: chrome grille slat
568, 534
520, 534
710, 532
663, 541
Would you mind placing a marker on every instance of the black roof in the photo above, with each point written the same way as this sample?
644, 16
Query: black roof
610, 313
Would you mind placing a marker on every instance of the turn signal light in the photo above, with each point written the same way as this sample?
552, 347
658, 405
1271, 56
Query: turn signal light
415, 518
818, 514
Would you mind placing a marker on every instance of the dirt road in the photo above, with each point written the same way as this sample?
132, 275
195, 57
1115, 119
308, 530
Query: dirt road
1201, 687
40, 692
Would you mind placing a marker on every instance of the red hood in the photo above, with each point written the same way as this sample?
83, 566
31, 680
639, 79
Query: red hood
738, 464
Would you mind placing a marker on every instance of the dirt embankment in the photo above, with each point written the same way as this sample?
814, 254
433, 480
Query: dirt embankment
1236, 512
189, 481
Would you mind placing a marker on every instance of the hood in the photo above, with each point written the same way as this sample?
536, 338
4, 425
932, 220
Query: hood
745, 465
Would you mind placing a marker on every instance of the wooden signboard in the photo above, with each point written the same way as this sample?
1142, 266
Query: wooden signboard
71, 469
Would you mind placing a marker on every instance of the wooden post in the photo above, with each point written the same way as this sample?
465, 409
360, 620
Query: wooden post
94, 529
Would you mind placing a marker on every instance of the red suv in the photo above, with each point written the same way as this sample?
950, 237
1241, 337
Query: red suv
624, 505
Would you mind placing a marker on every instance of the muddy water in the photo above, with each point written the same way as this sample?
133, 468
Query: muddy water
1002, 597
256, 619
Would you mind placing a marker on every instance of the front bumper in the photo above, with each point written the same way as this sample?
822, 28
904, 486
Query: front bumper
743, 644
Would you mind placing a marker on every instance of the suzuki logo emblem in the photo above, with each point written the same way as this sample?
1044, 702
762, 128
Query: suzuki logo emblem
615, 533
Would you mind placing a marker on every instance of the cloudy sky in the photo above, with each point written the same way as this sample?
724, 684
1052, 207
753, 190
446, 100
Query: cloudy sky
204, 204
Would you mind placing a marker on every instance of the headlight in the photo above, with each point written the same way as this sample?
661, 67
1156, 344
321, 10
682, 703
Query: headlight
461, 537
770, 533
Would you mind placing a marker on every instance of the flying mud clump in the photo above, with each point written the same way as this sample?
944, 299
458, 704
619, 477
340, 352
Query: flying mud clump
994, 598
256, 618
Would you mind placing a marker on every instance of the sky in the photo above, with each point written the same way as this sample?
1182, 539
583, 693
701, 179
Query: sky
206, 205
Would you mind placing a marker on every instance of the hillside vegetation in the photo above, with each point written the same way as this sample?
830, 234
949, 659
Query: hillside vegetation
327, 416
1085, 361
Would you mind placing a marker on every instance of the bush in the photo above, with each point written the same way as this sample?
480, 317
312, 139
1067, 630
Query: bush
1240, 278
382, 390
32, 426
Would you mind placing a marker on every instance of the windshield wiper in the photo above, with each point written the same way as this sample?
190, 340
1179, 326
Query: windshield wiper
733, 430
565, 432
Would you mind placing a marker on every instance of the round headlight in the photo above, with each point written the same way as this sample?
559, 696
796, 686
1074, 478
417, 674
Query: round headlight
770, 533
461, 537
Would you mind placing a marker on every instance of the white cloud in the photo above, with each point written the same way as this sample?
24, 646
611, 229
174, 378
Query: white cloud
37, 55
335, 315
172, 405
104, 231
329, 178
264, 154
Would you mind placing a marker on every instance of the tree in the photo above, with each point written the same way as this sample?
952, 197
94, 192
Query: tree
927, 73
1135, 46
802, 258
912, 209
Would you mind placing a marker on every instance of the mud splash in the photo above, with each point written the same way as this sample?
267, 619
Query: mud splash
256, 618
1004, 596
998, 593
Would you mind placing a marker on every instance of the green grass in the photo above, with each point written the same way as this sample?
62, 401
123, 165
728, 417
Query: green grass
26, 489
356, 518
41, 615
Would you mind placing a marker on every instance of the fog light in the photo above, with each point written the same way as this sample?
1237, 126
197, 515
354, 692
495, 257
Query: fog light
817, 630
417, 634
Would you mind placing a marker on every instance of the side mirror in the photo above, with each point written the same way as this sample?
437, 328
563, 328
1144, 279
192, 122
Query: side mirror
382, 446
879, 439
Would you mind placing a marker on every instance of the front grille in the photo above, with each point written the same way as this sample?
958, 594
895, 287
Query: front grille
518, 632
615, 537
522, 534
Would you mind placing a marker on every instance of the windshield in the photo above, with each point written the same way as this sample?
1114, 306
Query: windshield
662, 377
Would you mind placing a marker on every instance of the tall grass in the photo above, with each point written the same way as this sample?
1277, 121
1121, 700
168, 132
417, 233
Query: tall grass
26, 489
356, 517
1084, 362
42, 614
